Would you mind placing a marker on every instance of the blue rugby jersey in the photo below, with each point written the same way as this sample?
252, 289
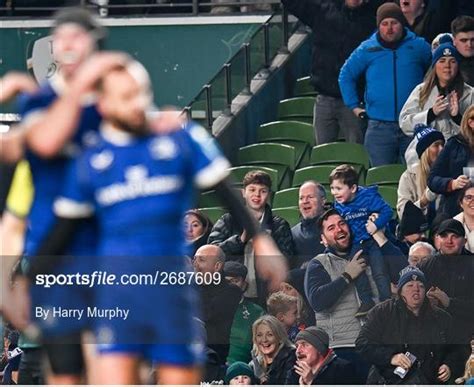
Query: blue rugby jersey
140, 188
48, 174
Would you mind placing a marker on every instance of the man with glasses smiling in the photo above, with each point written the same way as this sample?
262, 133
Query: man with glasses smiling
450, 276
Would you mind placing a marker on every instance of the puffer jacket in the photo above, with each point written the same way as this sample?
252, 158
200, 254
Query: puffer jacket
333, 25
391, 328
281, 371
448, 166
226, 234
413, 114
390, 75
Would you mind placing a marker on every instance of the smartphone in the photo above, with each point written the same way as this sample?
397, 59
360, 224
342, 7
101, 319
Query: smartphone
400, 371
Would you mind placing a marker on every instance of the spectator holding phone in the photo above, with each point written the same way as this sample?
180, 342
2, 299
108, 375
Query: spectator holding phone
446, 176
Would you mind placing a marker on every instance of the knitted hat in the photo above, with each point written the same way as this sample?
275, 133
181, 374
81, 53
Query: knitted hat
445, 49
390, 10
239, 368
426, 136
413, 220
451, 225
317, 337
235, 269
410, 273
83, 18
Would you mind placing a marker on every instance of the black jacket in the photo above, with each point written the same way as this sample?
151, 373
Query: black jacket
335, 370
391, 328
307, 238
467, 70
448, 166
435, 20
337, 31
219, 303
226, 234
455, 276
281, 371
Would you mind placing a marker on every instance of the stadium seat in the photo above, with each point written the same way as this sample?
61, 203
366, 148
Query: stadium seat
303, 87
214, 213
390, 195
385, 175
340, 153
276, 156
286, 198
320, 173
297, 109
300, 135
237, 174
290, 214
211, 199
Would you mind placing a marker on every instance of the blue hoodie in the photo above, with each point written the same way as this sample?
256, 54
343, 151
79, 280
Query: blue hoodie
390, 75
356, 213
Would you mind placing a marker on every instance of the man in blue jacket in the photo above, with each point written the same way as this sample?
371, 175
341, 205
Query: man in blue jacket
393, 61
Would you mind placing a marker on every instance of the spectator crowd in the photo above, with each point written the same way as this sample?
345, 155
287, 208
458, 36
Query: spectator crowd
372, 295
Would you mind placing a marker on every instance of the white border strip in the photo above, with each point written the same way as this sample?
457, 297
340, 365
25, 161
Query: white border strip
142, 21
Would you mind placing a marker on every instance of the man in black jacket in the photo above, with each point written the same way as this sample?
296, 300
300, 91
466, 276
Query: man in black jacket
462, 29
318, 364
229, 235
411, 325
450, 278
219, 298
338, 28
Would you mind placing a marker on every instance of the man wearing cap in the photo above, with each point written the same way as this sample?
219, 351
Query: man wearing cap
393, 61
246, 314
450, 278
408, 324
318, 364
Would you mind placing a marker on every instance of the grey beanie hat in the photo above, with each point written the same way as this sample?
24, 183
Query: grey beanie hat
317, 337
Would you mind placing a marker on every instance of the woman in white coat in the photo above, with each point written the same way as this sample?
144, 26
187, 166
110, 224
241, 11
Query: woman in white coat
440, 101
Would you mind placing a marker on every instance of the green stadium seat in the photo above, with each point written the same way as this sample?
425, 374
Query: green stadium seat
340, 153
214, 213
286, 198
303, 87
290, 214
211, 199
390, 195
300, 135
237, 174
320, 173
297, 109
276, 156
385, 175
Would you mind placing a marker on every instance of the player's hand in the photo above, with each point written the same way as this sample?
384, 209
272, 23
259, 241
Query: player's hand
15, 82
444, 373
167, 120
304, 371
356, 265
17, 309
97, 66
269, 261
401, 360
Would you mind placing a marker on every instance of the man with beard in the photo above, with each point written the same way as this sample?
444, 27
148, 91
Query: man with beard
409, 325
139, 187
329, 286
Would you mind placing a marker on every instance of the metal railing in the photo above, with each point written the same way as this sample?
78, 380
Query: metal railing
234, 77
37, 8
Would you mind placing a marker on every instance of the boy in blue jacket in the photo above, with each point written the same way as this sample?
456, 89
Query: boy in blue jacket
356, 204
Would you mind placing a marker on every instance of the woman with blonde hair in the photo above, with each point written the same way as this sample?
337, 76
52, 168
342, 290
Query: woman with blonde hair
443, 97
273, 354
447, 176
413, 184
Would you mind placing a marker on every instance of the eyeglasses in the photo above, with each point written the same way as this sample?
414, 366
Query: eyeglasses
468, 198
